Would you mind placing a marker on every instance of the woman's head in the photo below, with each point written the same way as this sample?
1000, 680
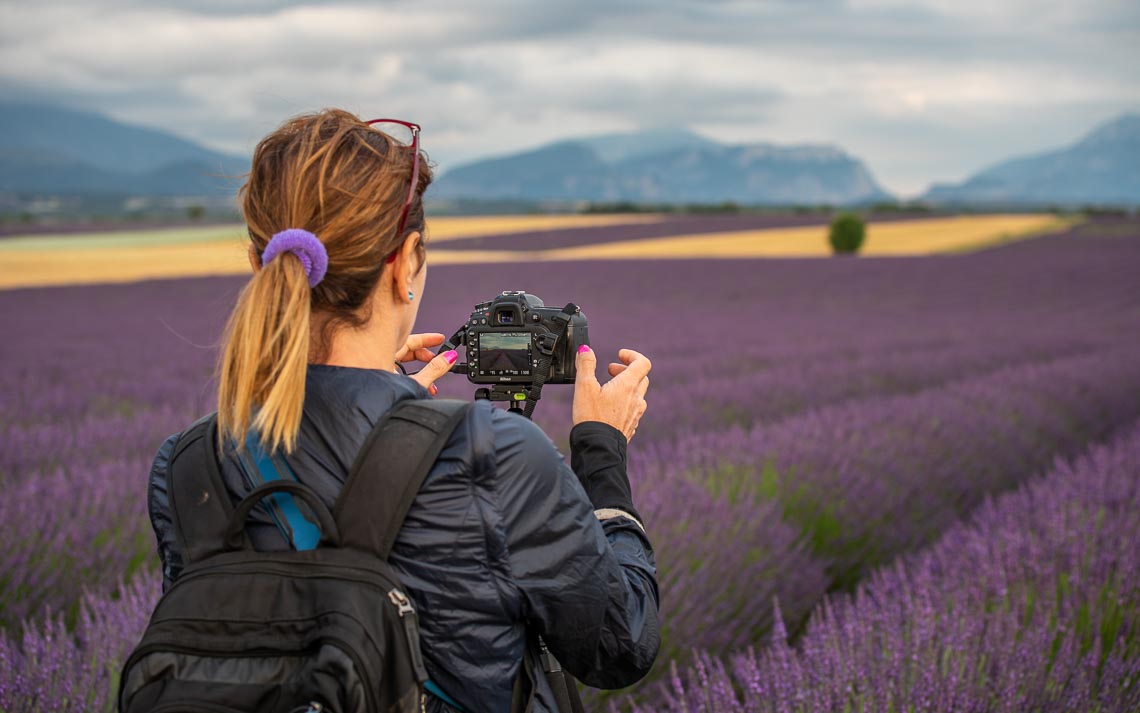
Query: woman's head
333, 175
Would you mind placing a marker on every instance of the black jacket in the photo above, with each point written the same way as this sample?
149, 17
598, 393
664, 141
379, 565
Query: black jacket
502, 539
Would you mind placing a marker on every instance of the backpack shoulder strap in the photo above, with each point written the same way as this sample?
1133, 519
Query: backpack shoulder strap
200, 506
389, 470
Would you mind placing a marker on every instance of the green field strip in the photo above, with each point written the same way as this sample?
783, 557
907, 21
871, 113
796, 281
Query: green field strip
126, 238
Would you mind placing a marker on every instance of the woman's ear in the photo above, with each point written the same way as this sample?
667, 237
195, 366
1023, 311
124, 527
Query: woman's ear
254, 260
407, 265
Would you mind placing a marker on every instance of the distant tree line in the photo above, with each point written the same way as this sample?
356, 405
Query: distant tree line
43, 211
876, 208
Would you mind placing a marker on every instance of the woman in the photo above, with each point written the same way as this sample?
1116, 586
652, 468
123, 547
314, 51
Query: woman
503, 538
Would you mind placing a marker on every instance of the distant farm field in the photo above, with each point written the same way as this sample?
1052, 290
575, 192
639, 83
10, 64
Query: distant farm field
125, 257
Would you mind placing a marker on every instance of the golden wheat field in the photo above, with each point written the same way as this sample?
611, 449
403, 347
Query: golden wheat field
908, 237
130, 256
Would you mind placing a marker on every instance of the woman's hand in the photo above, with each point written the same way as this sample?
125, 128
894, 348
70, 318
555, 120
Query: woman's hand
417, 349
621, 402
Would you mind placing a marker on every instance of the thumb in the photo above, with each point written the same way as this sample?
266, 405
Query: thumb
586, 366
436, 368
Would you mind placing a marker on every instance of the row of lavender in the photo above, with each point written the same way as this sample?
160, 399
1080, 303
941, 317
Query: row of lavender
815, 502
721, 556
100, 378
953, 648
854, 385
1034, 604
911, 464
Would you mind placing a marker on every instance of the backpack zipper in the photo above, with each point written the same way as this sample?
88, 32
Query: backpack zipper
411, 630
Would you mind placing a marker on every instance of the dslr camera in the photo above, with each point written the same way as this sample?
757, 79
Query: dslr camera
517, 344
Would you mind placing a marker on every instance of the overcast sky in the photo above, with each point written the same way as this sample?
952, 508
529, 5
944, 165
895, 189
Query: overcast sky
923, 91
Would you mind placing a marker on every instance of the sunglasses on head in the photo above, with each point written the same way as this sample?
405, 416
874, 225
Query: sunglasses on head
403, 133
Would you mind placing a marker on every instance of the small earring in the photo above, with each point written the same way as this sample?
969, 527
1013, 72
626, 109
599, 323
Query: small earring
411, 295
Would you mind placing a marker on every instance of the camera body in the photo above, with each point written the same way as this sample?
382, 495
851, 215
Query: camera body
508, 337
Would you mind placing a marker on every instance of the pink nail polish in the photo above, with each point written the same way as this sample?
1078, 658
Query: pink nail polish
583, 348
451, 356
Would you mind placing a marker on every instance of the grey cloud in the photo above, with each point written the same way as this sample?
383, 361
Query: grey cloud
225, 71
676, 102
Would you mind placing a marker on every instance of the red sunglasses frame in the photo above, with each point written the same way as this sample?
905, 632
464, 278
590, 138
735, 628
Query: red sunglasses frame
415, 129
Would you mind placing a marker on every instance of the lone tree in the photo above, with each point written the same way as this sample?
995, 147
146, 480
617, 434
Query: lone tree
847, 233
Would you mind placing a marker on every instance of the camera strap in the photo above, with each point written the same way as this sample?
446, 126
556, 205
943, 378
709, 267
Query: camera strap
544, 362
561, 683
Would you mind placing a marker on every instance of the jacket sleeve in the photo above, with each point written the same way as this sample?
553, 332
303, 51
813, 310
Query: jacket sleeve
158, 505
584, 571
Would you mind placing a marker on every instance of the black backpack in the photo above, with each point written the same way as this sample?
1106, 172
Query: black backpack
327, 629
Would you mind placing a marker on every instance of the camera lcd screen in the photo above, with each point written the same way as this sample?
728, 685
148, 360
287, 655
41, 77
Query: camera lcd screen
504, 353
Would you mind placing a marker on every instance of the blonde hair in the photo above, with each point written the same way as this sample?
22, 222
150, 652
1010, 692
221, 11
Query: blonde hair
333, 175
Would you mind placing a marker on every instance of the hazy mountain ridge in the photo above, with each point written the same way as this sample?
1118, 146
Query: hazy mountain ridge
667, 166
612, 148
1101, 168
48, 149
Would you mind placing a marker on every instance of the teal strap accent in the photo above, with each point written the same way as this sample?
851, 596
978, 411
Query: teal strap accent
436, 691
297, 529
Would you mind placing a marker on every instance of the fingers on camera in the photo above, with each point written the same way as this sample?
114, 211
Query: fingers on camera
421, 341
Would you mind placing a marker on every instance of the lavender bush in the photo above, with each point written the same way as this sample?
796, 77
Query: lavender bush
1034, 605
870, 479
50, 668
716, 559
98, 381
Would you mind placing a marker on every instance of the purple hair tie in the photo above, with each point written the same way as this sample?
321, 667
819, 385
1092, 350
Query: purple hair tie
304, 245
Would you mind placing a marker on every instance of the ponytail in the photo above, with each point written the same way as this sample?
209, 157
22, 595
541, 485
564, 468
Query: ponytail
264, 356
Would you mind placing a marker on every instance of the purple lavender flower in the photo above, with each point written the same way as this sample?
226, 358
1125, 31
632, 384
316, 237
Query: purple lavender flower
1032, 604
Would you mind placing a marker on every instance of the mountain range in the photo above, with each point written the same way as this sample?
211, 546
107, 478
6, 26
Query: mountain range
49, 150
666, 166
1102, 168
53, 150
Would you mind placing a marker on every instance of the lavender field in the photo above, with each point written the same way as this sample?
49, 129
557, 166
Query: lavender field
906, 484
